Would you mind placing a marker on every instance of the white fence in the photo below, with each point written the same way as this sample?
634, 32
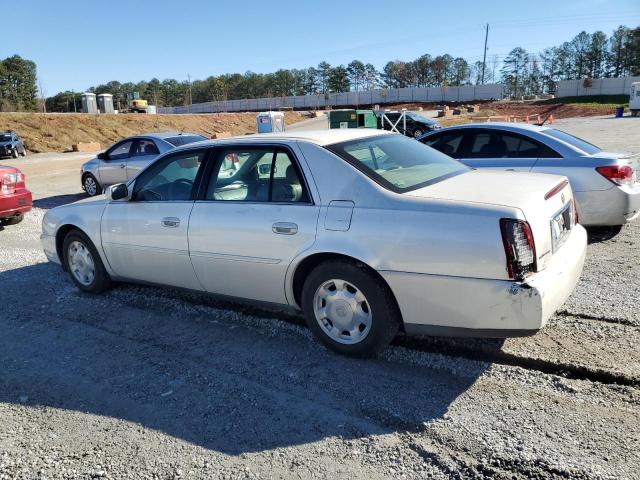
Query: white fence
392, 95
599, 86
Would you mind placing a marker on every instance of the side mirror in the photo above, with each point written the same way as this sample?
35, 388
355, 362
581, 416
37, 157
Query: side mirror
119, 191
103, 156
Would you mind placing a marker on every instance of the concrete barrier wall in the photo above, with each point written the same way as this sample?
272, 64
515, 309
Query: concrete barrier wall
599, 86
371, 97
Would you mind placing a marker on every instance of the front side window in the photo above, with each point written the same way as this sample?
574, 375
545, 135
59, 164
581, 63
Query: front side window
448, 144
120, 151
397, 162
145, 147
256, 175
171, 178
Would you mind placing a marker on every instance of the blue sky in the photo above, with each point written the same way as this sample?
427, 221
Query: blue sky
78, 44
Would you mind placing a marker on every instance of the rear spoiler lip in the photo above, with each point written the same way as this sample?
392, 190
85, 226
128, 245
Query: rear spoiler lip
558, 188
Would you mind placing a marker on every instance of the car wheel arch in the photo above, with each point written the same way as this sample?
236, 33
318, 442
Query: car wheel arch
61, 234
307, 264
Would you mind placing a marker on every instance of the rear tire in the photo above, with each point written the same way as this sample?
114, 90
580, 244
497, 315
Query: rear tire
84, 264
16, 219
417, 133
24, 152
349, 309
91, 185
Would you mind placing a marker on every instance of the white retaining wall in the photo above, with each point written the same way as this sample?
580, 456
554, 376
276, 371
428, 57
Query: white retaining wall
392, 95
600, 86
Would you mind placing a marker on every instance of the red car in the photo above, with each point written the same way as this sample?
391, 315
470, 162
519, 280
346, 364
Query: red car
15, 199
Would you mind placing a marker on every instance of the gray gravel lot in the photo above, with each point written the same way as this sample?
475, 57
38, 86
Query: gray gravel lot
154, 383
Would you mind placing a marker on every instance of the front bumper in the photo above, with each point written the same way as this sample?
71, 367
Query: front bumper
49, 246
14, 203
460, 306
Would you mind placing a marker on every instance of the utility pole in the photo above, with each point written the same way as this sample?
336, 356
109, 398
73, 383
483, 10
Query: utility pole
190, 97
484, 58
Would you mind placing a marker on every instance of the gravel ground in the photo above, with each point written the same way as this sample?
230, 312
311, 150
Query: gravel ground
154, 383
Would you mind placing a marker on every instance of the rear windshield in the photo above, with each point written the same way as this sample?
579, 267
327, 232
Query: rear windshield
571, 140
184, 139
398, 163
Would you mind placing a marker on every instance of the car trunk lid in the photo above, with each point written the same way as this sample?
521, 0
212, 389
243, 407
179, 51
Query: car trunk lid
546, 202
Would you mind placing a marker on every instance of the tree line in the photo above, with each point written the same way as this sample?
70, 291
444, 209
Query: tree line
587, 55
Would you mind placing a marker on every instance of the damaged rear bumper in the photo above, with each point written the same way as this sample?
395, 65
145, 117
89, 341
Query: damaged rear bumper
459, 306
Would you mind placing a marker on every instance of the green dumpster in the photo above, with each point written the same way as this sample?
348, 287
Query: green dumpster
348, 118
343, 119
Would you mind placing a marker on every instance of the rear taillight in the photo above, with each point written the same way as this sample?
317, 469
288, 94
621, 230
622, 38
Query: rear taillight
618, 174
519, 248
9, 181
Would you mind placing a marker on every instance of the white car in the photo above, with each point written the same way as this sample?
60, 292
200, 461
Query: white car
367, 232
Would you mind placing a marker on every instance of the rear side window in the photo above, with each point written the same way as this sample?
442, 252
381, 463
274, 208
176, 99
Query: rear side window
501, 145
184, 139
447, 144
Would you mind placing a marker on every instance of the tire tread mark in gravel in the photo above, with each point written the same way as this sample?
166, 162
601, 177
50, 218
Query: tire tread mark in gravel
573, 372
599, 318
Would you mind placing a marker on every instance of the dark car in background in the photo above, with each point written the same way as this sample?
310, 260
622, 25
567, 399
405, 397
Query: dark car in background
11, 145
416, 124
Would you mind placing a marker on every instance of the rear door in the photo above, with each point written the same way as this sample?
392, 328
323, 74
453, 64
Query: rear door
497, 149
255, 215
144, 151
114, 169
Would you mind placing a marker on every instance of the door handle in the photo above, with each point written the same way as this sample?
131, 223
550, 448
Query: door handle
285, 228
122, 165
171, 222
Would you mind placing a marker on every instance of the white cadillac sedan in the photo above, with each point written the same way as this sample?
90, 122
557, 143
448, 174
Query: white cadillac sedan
367, 232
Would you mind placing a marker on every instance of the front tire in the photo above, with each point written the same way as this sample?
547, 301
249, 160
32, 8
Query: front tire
24, 151
14, 153
91, 185
417, 133
84, 264
349, 309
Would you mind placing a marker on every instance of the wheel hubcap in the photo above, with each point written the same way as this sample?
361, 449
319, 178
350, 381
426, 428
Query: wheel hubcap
81, 263
342, 311
90, 186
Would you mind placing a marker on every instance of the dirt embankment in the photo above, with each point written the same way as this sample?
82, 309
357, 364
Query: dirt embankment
57, 132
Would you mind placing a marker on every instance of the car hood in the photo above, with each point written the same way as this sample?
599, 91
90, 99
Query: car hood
504, 188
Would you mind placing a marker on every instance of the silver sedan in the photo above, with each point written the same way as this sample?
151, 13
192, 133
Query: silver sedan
605, 184
367, 232
126, 158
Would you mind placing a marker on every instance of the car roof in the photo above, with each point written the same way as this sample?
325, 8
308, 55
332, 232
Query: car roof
318, 137
163, 135
514, 127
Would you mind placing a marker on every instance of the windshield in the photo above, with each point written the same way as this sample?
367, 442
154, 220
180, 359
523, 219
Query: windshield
420, 118
5, 137
571, 140
184, 139
397, 162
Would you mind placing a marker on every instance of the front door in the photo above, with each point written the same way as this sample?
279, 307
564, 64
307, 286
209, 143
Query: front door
254, 218
145, 238
113, 169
